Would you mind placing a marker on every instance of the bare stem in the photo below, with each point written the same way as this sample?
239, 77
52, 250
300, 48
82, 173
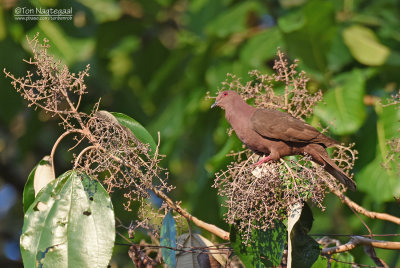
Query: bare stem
53, 150
82, 153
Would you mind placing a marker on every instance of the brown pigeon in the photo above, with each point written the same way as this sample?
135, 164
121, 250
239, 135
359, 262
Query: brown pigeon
278, 134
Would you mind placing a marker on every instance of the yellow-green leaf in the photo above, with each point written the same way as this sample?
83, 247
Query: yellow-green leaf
365, 46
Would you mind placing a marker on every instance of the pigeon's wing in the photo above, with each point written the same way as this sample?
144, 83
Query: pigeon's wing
278, 125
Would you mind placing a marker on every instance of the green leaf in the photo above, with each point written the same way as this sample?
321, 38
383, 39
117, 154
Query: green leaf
261, 47
321, 262
308, 33
304, 249
39, 177
70, 224
137, 129
374, 177
344, 259
29, 192
338, 54
291, 22
168, 239
264, 248
63, 46
234, 19
103, 10
365, 46
343, 106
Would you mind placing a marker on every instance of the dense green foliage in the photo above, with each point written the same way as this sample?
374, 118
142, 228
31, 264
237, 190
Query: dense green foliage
155, 60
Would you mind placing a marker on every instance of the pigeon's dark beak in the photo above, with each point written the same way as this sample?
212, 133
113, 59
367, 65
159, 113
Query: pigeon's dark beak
214, 104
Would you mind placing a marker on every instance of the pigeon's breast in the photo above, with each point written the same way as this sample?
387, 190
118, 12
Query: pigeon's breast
249, 137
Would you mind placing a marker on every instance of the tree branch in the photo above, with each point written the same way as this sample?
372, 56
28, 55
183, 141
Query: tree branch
361, 210
361, 241
206, 226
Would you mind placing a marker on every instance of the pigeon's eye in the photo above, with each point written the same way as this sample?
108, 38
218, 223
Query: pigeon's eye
225, 93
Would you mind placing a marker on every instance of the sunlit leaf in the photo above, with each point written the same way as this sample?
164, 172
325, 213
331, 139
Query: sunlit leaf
365, 46
70, 224
43, 174
39, 177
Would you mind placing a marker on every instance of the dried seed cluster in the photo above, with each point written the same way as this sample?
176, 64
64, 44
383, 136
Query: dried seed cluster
256, 197
113, 155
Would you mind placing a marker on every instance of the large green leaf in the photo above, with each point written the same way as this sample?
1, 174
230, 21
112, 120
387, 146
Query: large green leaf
168, 239
308, 33
137, 129
264, 248
261, 47
70, 224
376, 177
234, 19
338, 54
304, 249
293, 21
343, 106
103, 10
365, 46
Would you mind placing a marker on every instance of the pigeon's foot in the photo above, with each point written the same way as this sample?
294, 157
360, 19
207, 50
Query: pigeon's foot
262, 161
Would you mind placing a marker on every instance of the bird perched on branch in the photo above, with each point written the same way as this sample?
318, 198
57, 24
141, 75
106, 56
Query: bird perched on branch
276, 134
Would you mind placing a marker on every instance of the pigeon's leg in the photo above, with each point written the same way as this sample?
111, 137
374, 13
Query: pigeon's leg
263, 160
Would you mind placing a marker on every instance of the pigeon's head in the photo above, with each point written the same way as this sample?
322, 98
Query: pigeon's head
226, 98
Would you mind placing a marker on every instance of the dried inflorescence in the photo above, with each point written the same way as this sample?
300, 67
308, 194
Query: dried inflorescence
258, 196
295, 98
114, 155
51, 86
124, 162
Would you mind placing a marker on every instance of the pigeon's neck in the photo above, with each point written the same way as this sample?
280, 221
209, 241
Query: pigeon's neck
238, 113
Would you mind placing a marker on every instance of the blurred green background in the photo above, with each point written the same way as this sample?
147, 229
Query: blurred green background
154, 60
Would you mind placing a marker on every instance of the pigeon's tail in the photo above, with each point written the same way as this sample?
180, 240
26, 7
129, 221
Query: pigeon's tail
330, 166
336, 172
